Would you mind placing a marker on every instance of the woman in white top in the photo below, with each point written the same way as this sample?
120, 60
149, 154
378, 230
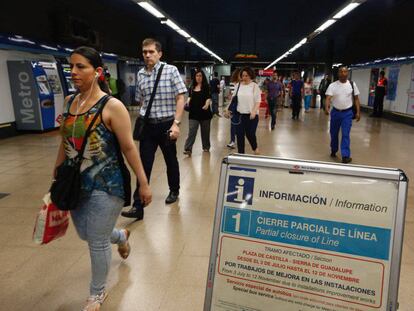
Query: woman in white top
249, 98
308, 93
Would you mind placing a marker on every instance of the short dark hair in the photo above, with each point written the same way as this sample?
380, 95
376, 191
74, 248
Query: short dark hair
343, 67
215, 73
382, 73
249, 71
149, 41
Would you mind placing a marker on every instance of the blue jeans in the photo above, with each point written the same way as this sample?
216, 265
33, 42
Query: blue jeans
341, 120
307, 101
94, 220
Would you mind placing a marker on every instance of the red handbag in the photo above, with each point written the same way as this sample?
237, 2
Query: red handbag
51, 222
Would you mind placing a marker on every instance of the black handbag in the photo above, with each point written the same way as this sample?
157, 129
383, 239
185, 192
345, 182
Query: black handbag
234, 102
140, 122
65, 189
353, 101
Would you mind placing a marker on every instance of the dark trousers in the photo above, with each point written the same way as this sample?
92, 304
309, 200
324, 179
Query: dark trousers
379, 103
155, 135
214, 103
323, 99
296, 105
192, 133
233, 132
272, 108
246, 128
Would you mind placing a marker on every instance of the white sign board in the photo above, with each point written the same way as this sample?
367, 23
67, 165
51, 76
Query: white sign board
296, 236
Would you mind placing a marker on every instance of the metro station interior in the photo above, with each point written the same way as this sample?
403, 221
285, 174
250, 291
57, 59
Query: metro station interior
169, 249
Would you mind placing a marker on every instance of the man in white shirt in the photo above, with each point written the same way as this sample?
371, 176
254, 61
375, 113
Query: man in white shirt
342, 95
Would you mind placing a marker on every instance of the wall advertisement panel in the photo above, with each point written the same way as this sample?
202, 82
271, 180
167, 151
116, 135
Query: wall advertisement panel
410, 106
298, 236
393, 74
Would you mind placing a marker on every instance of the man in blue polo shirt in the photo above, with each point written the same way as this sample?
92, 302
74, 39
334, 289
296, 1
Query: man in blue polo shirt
296, 94
342, 95
162, 128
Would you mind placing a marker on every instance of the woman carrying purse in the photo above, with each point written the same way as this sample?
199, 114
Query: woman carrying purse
248, 101
199, 112
103, 189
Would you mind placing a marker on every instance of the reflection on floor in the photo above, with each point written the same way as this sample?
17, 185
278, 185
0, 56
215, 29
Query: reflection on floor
170, 249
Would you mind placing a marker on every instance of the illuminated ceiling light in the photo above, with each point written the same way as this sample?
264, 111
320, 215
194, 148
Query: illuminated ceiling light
148, 7
303, 41
171, 24
325, 25
151, 8
346, 10
184, 33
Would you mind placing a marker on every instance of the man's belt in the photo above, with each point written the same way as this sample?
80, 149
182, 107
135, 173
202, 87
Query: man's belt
343, 110
160, 120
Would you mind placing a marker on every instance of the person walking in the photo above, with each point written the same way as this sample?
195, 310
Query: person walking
234, 79
308, 89
199, 112
296, 94
215, 91
274, 90
380, 92
163, 125
104, 187
323, 86
249, 98
343, 95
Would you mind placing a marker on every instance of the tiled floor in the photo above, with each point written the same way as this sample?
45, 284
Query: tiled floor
167, 268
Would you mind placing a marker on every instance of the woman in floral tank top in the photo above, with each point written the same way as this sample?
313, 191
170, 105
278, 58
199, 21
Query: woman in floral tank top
104, 188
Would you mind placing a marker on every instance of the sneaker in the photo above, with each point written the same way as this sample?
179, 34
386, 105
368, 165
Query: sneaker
333, 154
124, 248
346, 160
231, 145
206, 150
94, 302
187, 152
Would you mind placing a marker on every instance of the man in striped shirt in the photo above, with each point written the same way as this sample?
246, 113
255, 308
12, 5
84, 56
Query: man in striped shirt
162, 128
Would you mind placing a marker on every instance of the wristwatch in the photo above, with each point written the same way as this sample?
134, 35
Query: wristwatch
177, 122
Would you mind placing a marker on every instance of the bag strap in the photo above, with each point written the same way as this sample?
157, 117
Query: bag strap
353, 92
154, 90
102, 103
237, 91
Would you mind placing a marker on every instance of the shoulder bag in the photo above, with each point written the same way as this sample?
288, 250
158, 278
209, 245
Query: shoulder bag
65, 189
140, 122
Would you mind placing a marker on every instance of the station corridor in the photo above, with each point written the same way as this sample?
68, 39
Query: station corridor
167, 268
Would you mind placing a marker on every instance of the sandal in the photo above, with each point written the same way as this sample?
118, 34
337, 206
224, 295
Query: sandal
124, 248
94, 302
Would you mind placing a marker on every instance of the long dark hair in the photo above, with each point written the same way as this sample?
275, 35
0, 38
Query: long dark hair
205, 87
95, 60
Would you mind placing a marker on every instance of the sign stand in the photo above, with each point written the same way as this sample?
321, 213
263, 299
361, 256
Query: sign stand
297, 235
